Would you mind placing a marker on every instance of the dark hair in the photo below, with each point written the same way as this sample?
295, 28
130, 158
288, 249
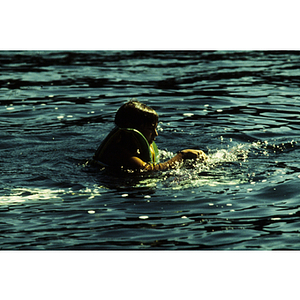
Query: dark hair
135, 114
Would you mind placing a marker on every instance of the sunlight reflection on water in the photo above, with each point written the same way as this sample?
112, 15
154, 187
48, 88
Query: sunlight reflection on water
20, 195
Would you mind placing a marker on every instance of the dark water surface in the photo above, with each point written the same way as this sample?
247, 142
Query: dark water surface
242, 108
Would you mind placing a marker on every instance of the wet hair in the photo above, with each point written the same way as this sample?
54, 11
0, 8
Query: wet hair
135, 114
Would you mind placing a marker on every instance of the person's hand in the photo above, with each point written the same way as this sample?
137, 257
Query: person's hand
193, 154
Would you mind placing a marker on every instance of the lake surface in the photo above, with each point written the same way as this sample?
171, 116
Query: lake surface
240, 107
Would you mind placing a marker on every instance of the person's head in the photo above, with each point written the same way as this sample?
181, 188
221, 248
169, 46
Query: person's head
137, 115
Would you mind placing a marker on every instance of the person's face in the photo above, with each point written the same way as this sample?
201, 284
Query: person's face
149, 132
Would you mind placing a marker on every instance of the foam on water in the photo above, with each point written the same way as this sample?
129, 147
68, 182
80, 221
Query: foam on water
195, 173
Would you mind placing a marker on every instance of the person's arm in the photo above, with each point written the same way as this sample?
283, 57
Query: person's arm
138, 164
